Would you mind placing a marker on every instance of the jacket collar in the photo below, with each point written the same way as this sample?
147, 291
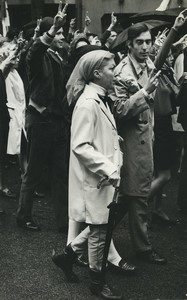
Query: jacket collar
149, 65
56, 56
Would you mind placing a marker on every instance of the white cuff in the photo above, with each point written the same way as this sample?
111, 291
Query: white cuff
145, 93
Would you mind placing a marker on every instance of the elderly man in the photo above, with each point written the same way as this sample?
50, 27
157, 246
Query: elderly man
94, 154
134, 84
47, 130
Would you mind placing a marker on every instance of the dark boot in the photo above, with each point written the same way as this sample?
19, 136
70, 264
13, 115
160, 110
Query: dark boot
65, 261
98, 287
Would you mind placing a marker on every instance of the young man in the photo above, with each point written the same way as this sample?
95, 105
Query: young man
47, 131
134, 85
94, 154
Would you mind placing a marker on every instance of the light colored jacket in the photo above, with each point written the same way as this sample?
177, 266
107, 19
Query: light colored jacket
134, 113
94, 153
16, 108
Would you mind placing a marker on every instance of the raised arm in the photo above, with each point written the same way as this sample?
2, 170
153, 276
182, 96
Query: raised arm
163, 53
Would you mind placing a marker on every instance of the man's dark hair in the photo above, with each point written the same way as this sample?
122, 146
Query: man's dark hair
46, 24
135, 30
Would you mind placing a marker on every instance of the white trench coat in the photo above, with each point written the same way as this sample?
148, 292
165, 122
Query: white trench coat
94, 153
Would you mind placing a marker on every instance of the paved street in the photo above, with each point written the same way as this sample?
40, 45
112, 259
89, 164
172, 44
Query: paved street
27, 272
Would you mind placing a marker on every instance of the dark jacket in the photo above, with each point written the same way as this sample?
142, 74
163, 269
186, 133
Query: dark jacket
47, 76
4, 118
182, 116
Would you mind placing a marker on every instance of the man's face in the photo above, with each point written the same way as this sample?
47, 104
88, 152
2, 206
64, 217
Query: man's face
141, 46
170, 59
107, 74
58, 41
112, 37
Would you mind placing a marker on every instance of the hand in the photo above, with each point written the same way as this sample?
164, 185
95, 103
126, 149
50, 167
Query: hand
60, 18
96, 41
72, 23
77, 32
182, 41
87, 19
114, 179
37, 29
20, 42
10, 61
180, 20
113, 19
152, 82
161, 36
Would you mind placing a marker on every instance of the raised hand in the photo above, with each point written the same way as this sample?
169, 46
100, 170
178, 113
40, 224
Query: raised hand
161, 36
37, 29
72, 23
60, 17
152, 82
181, 19
113, 19
87, 19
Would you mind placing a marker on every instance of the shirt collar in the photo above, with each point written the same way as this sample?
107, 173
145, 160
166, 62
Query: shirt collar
138, 67
99, 89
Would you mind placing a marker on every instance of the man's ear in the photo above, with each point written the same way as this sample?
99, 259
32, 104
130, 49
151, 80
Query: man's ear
129, 44
97, 74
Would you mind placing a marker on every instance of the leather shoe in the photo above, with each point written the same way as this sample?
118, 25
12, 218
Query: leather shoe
152, 257
156, 219
7, 193
65, 262
39, 194
28, 225
123, 267
105, 292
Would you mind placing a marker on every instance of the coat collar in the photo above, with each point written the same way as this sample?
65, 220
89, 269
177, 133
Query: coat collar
138, 68
92, 91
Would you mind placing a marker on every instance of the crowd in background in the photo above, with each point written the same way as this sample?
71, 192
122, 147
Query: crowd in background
37, 103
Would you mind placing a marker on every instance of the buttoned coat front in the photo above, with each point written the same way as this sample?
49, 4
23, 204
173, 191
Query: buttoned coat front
94, 153
135, 124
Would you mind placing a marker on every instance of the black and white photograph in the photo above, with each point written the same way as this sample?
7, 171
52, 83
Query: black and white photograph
93, 149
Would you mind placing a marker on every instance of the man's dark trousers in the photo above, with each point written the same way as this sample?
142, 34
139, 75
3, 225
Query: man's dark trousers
47, 145
182, 190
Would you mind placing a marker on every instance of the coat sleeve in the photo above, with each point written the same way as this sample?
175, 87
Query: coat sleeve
163, 53
127, 105
36, 53
82, 143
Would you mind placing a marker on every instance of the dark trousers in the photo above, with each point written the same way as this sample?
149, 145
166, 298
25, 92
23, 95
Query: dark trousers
47, 145
137, 209
4, 128
182, 189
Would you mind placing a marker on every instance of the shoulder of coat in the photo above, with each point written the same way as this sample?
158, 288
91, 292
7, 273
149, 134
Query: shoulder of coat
119, 68
87, 101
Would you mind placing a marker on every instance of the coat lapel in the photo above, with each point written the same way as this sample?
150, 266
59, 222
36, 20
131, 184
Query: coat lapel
107, 112
89, 90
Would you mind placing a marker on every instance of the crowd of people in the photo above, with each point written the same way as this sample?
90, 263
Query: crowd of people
101, 121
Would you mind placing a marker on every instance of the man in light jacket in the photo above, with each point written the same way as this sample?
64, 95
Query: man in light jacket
133, 96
